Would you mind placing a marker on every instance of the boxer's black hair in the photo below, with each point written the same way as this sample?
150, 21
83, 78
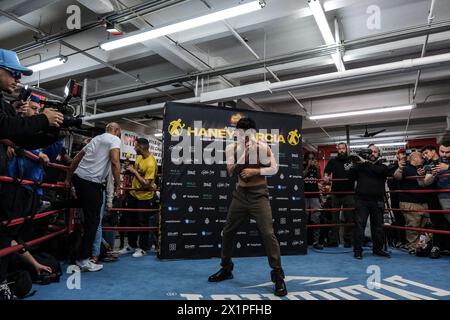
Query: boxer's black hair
246, 123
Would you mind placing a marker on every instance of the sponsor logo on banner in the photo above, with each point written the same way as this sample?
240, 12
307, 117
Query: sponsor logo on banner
207, 196
296, 187
189, 234
174, 196
177, 184
221, 220
241, 233
254, 245
238, 245
296, 198
223, 209
223, 197
283, 166
191, 172
285, 231
296, 243
176, 127
295, 166
281, 155
207, 172
207, 221
174, 172
281, 198
223, 173
207, 209
189, 246
282, 220
253, 233
172, 221
297, 232
296, 209
189, 221
191, 196
207, 184
190, 209
206, 233
172, 234
252, 221
296, 220
295, 155
283, 243
206, 246
173, 209
282, 209
191, 184
270, 187
222, 185
172, 246
294, 137
281, 176
280, 187
295, 177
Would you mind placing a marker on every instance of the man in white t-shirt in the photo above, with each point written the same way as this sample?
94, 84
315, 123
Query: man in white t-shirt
89, 170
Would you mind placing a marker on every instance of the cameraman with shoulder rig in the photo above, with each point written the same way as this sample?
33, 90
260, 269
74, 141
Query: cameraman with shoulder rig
25, 132
370, 176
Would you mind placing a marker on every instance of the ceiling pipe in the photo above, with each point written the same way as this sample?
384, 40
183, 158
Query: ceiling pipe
229, 94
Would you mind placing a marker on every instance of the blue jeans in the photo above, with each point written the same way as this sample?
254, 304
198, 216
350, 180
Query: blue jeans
99, 235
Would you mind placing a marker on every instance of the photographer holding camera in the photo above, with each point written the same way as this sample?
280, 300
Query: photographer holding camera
25, 132
412, 201
370, 176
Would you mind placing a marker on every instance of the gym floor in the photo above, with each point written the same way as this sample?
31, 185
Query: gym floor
331, 274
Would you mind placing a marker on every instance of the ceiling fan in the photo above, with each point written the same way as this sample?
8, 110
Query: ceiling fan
368, 134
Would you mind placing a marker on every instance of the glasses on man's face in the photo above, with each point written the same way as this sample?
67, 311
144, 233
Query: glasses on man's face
13, 73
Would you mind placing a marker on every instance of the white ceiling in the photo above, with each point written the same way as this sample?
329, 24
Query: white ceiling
284, 30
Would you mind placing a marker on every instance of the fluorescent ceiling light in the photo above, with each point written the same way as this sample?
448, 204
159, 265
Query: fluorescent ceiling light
184, 25
48, 64
361, 112
392, 144
324, 27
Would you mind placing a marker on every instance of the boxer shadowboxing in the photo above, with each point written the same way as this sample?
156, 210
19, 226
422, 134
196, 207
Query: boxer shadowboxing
251, 161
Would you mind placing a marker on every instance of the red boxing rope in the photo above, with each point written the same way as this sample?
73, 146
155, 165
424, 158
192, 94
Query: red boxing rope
390, 191
32, 156
29, 182
418, 229
329, 225
9, 250
386, 209
18, 221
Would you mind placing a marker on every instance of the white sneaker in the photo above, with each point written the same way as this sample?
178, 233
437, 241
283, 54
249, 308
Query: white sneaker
87, 265
139, 253
126, 250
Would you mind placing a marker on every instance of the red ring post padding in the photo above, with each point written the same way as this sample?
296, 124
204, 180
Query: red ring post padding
22, 220
9, 250
129, 228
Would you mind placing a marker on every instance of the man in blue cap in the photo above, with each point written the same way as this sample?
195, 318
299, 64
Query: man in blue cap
30, 133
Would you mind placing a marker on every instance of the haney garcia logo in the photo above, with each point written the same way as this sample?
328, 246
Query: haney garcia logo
333, 288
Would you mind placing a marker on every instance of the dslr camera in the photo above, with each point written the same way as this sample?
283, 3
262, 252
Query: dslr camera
72, 90
364, 153
428, 167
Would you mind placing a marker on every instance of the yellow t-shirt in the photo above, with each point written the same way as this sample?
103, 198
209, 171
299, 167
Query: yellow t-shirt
147, 168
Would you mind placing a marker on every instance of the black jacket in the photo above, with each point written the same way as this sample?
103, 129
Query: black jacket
29, 133
370, 179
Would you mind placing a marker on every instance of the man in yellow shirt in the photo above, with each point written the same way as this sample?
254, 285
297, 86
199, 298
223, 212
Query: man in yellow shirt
144, 171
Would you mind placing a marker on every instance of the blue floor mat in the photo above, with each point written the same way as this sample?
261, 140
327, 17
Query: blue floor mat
332, 274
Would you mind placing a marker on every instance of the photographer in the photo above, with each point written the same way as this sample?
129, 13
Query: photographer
433, 161
370, 176
412, 201
25, 132
437, 176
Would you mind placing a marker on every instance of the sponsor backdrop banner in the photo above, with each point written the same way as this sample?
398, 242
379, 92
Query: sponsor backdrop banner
195, 197
129, 138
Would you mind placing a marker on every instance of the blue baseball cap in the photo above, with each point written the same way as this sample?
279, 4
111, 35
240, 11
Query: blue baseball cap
9, 60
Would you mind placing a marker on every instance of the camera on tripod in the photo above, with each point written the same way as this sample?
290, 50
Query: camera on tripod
71, 90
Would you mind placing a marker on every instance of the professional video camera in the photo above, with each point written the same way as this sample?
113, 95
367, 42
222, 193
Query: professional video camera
363, 153
72, 90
